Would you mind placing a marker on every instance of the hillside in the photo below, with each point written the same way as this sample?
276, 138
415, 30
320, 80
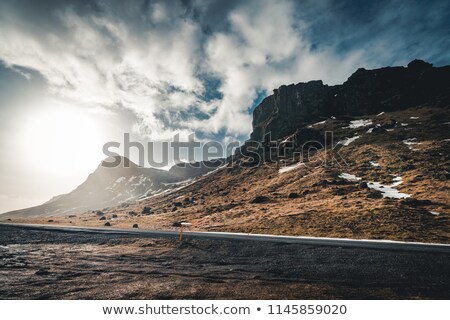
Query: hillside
384, 177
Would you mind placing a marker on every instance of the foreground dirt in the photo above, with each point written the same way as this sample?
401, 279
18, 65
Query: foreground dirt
325, 204
37, 264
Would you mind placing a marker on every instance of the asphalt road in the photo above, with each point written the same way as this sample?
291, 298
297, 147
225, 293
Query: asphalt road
53, 262
348, 243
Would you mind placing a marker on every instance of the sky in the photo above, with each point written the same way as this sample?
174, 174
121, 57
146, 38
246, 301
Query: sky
76, 74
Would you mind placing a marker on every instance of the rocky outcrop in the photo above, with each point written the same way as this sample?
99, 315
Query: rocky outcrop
365, 92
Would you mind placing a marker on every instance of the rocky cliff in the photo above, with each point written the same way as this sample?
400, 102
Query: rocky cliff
365, 92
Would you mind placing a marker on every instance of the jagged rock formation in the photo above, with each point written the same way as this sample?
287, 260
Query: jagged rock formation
365, 92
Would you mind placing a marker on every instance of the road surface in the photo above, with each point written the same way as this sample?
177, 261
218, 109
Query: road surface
54, 262
351, 243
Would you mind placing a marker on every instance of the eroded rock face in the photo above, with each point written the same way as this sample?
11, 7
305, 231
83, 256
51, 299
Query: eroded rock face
365, 92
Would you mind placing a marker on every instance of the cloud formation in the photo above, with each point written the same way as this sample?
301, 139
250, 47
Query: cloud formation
183, 66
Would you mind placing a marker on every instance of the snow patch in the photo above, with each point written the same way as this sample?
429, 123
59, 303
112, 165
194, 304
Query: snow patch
380, 114
119, 180
434, 213
317, 123
349, 177
411, 142
389, 191
374, 164
291, 167
414, 118
359, 123
347, 141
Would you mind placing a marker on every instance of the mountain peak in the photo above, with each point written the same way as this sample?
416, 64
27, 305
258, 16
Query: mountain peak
117, 161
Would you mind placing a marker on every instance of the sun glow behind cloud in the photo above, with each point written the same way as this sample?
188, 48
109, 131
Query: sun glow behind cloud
59, 139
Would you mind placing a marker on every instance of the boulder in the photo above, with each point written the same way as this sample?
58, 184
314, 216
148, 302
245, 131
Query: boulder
363, 185
146, 210
260, 199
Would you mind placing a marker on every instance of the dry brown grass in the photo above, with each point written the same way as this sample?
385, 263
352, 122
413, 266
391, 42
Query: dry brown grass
223, 200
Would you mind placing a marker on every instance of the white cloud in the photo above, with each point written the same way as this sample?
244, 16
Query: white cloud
105, 61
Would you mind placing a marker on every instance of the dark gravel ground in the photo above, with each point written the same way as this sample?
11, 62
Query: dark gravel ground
44, 264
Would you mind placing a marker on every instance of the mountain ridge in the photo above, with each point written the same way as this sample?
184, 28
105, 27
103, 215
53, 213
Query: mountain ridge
365, 92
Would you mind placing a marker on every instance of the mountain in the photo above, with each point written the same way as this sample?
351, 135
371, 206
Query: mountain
384, 174
110, 186
365, 92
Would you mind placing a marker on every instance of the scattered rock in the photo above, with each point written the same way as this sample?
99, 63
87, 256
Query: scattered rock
102, 218
51, 220
114, 216
408, 167
132, 213
306, 192
379, 129
72, 216
177, 204
174, 209
416, 202
321, 183
135, 226
375, 194
363, 185
176, 224
339, 192
260, 199
100, 213
293, 195
146, 210
107, 224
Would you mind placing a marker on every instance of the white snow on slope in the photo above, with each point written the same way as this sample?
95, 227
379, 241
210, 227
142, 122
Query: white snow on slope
119, 180
380, 114
349, 177
291, 167
374, 164
389, 191
317, 123
434, 213
414, 118
347, 141
411, 142
359, 123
